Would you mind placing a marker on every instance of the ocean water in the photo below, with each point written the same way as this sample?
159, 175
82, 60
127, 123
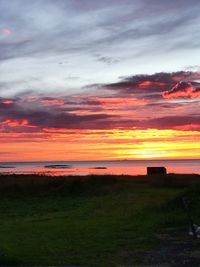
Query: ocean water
129, 167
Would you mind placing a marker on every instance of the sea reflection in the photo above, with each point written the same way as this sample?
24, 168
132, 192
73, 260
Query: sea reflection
102, 168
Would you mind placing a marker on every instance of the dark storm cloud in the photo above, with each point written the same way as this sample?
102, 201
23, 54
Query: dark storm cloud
151, 86
132, 103
37, 115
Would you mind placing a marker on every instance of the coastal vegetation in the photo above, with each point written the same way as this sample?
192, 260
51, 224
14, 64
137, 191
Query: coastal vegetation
92, 220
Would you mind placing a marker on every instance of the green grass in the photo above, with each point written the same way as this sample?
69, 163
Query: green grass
95, 221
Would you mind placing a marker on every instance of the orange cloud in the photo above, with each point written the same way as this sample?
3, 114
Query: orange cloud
182, 89
119, 101
98, 145
188, 127
150, 83
15, 123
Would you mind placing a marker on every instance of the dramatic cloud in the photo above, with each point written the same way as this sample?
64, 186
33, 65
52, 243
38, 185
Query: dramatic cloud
133, 103
148, 86
182, 89
88, 66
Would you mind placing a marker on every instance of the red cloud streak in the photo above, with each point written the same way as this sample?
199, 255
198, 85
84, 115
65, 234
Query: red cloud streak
182, 89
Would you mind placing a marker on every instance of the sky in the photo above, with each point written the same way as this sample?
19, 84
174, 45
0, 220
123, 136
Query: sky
99, 80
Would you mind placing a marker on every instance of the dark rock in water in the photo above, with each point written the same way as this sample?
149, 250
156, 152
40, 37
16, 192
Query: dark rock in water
58, 166
156, 170
6, 167
99, 168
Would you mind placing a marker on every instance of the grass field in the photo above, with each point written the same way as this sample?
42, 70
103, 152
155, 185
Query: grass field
89, 221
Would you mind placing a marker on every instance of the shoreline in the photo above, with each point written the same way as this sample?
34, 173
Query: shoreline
27, 180
117, 167
84, 168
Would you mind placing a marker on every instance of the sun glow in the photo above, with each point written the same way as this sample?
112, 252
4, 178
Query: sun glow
54, 144
149, 155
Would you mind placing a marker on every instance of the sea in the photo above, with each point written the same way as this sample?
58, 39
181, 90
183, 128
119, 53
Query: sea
118, 167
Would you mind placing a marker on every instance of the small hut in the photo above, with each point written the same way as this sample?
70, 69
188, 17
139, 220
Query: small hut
156, 170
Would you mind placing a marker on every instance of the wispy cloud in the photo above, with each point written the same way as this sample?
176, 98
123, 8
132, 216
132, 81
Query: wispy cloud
106, 39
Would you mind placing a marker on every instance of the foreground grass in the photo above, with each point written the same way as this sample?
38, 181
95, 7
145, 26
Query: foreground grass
96, 221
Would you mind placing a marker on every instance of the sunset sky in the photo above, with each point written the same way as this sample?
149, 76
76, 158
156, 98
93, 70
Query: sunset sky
99, 80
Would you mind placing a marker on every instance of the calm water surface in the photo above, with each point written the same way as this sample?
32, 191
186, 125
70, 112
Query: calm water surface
130, 167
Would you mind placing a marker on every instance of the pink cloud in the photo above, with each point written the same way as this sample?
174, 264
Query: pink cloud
188, 127
6, 31
134, 103
53, 102
7, 102
150, 83
182, 89
15, 123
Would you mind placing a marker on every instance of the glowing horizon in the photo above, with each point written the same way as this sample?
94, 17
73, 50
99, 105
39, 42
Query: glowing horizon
99, 81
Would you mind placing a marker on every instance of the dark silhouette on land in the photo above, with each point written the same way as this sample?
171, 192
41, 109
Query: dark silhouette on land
156, 170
